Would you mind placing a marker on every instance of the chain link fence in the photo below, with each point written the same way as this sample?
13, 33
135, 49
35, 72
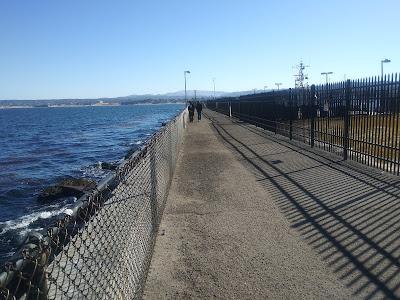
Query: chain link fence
103, 248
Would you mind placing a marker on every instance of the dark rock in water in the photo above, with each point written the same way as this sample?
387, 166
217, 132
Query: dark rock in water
83, 183
107, 166
130, 152
163, 123
70, 187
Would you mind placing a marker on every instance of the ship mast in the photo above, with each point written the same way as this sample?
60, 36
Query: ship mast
301, 78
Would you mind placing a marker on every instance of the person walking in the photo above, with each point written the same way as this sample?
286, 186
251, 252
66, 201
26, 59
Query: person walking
199, 108
191, 112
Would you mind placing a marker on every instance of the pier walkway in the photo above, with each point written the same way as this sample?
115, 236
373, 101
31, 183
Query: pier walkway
251, 215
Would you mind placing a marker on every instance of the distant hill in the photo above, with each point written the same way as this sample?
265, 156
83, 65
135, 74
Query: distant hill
176, 95
199, 93
172, 97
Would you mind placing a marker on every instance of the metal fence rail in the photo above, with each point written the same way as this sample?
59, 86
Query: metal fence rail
357, 119
102, 250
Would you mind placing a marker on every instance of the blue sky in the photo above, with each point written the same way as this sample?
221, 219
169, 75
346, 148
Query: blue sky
97, 48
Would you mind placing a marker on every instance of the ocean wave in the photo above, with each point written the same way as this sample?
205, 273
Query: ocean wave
22, 224
94, 171
25, 231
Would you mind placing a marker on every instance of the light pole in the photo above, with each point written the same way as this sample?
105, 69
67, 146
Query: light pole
326, 75
214, 86
278, 84
265, 86
184, 74
384, 61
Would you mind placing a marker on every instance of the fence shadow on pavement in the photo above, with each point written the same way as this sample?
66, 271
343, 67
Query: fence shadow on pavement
348, 214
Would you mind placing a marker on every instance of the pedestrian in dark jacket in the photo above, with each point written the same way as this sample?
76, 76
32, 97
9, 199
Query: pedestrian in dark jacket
191, 111
199, 108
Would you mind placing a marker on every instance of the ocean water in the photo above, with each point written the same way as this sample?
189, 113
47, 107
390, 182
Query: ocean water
41, 146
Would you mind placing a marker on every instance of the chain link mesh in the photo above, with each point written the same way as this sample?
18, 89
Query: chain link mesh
103, 249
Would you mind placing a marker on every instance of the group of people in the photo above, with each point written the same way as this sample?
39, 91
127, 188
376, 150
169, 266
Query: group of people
195, 106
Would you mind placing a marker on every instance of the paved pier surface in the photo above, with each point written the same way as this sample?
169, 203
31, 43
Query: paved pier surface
251, 215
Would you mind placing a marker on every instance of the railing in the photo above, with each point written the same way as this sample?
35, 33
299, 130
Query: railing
102, 249
357, 119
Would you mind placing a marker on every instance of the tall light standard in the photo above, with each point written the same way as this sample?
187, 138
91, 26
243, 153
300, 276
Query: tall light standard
326, 75
214, 86
265, 86
278, 84
184, 74
384, 61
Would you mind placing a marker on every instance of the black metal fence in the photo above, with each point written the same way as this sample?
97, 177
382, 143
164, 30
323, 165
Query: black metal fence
102, 249
358, 119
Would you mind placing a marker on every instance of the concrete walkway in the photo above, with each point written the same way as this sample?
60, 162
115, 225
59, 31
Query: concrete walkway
252, 216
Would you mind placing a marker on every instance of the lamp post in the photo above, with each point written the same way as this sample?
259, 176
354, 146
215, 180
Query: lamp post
184, 74
384, 61
326, 75
265, 86
214, 86
278, 84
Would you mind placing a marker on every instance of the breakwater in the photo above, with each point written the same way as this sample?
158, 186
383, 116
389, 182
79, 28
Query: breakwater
102, 247
42, 147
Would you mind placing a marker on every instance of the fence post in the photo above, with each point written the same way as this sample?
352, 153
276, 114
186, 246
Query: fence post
346, 120
312, 129
291, 114
170, 153
153, 186
230, 109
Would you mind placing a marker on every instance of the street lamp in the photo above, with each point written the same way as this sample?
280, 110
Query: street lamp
384, 61
278, 84
265, 86
326, 75
184, 74
214, 86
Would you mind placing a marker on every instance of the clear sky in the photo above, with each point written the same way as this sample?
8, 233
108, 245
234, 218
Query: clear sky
99, 48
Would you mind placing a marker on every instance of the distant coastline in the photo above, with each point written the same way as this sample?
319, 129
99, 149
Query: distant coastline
16, 106
168, 98
84, 105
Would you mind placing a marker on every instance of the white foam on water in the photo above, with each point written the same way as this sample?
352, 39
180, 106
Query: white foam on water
138, 142
93, 171
25, 231
22, 223
68, 211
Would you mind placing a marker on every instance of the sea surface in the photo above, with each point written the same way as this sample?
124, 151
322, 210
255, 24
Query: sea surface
41, 146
